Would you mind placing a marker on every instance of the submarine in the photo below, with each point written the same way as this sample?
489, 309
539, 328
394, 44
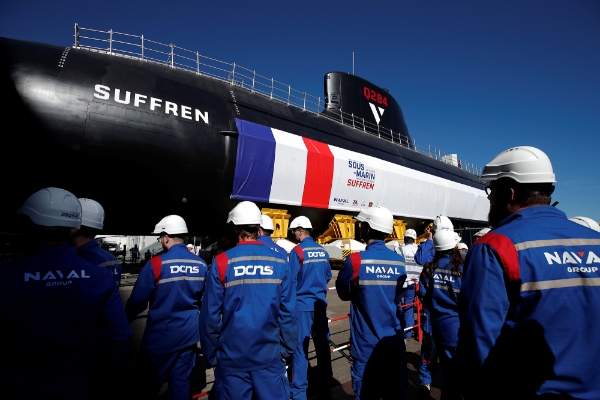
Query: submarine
150, 129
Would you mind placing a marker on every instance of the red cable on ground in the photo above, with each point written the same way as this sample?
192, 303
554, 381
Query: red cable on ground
340, 348
338, 318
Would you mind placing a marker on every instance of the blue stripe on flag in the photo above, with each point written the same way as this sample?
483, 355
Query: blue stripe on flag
254, 163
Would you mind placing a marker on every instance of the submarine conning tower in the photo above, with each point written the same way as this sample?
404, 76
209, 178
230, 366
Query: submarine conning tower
366, 106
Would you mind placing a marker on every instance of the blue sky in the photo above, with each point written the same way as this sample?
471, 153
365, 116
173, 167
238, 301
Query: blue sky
472, 77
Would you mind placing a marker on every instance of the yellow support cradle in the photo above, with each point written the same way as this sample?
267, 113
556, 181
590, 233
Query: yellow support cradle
281, 220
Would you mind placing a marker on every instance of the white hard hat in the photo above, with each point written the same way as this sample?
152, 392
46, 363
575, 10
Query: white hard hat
171, 225
190, 246
445, 240
92, 214
587, 222
461, 246
53, 207
481, 232
378, 218
267, 223
301, 222
245, 213
442, 223
524, 164
411, 233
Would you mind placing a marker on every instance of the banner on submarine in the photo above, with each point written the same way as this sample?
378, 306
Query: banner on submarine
279, 167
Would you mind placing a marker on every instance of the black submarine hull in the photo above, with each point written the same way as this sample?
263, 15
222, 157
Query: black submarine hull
147, 140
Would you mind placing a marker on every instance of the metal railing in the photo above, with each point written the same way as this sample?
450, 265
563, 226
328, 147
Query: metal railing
139, 47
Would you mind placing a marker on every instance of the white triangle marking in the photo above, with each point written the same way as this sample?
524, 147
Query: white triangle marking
375, 114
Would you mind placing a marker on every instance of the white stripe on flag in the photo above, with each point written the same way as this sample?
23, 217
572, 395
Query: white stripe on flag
290, 168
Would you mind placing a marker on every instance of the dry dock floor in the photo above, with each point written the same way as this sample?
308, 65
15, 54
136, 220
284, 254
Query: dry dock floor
341, 386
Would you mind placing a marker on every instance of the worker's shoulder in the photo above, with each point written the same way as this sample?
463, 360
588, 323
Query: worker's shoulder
384, 254
180, 256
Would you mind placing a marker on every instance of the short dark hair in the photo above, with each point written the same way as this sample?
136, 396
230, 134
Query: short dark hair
376, 235
247, 231
529, 194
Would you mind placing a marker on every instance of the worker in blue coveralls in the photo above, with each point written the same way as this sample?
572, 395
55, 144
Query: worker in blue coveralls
57, 307
265, 230
172, 284
463, 249
309, 263
372, 280
413, 272
248, 319
440, 285
92, 222
529, 288
429, 356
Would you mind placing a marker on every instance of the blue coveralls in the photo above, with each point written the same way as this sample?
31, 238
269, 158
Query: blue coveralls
309, 263
56, 310
372, 280
530, 292
95, 254
172, 330
267, 241
440, 293
248, 323
429, 356
413, 271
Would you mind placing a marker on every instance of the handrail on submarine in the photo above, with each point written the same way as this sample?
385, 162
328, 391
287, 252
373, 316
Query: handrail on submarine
117, 43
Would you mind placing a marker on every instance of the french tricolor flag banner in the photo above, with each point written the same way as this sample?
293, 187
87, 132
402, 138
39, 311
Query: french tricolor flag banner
279, 167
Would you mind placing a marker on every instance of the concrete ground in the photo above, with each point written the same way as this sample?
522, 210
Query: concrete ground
341, 386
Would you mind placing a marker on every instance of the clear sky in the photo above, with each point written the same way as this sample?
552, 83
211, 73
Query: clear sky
472, 77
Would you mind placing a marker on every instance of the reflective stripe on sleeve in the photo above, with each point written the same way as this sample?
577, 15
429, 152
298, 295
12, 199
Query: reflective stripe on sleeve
181, 278
443, 287
556, 242
559, 284
315, 261
256, 258
384, 262
381, 283
183, 260
253, 282
443, 271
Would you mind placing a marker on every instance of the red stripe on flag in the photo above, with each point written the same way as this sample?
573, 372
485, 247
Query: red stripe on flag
319, 174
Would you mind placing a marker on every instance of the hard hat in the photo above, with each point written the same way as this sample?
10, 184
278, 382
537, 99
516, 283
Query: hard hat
378, 218
245, 213
190, 246
442, 223
53, 207
445, 240
92, 213
171, 225
461, 246
482, 232
301, 222
410, 233
587, 222
267, 223
524, 164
